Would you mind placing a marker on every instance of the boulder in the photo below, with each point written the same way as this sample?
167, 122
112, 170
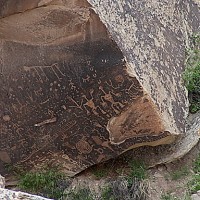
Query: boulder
17, 195
6, 194
82, 83
196, 196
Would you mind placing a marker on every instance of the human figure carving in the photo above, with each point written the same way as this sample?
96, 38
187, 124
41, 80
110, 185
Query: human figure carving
90, 104
108, 97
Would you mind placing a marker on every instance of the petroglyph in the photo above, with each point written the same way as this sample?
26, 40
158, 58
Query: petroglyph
39, 70
47, 121
6, 118
76, 104
83, 146
116, 106
90, 104
67, 90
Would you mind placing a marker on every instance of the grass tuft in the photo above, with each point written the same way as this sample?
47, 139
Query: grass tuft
80, 194
167, 196
47, 182
138, 170
194, 184
176, 175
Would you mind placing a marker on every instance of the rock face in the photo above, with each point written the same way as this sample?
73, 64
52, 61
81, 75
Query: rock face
73, 94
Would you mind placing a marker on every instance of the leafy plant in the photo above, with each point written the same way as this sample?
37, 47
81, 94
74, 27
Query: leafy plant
121, 189
194, 184
191, 75
47, 182
196, 165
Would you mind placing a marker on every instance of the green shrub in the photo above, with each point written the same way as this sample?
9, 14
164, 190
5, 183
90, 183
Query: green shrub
194, 184
47, 182
107, 193
191, 75
196, 165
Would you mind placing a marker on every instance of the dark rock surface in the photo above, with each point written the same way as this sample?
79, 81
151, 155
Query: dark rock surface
68, 95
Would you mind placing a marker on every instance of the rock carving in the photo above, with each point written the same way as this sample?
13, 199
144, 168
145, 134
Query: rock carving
82, 83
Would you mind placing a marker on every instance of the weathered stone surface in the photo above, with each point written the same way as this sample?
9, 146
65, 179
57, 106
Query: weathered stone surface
17, 195
2, 182
196, 196
152, 36
71, 95
167, 153
10, 7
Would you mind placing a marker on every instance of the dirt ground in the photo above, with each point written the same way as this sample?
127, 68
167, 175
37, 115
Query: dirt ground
162, 179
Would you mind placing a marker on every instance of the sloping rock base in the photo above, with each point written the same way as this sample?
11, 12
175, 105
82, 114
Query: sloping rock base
167, 153
82, 83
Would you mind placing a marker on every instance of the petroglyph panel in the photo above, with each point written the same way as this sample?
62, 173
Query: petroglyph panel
66, 95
